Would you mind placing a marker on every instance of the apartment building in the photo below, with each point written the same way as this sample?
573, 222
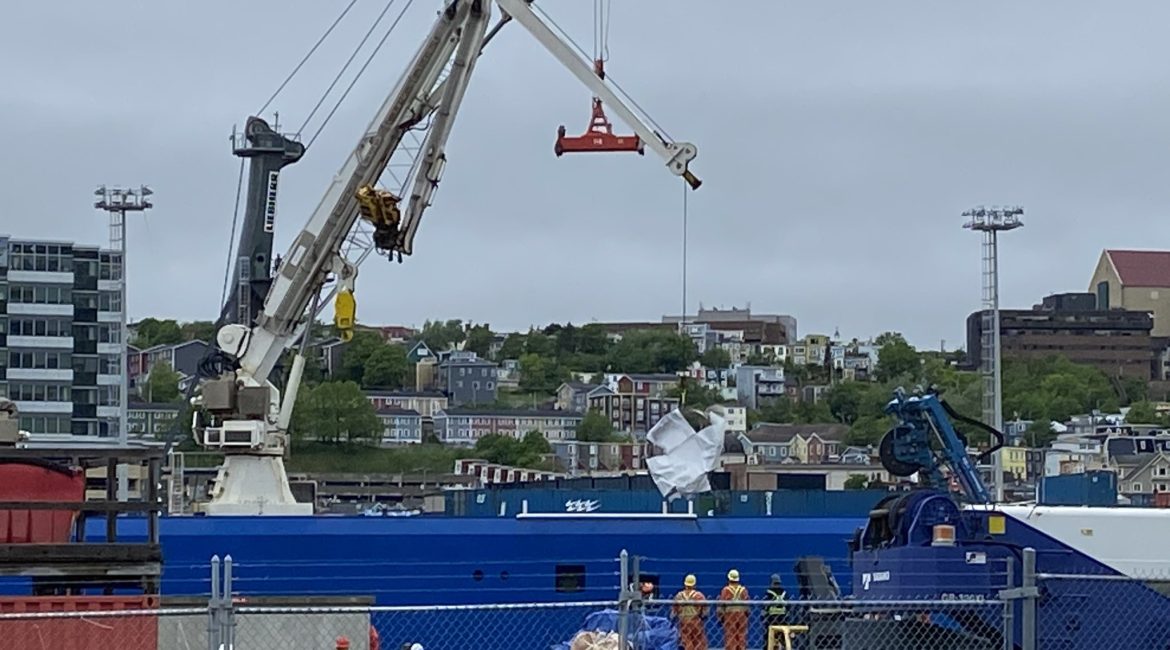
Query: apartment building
400, 426
152, 420
467, 379
61, 338
758, 385
464, 426
575, 456
1117, 341
424, 402
631, 412
799, 443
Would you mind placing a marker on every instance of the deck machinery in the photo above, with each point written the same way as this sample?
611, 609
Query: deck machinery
946, 541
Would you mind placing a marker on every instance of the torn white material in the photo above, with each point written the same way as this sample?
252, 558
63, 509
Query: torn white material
687, 455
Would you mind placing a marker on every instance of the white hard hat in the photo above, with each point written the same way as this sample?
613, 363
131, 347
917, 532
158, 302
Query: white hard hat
416, 646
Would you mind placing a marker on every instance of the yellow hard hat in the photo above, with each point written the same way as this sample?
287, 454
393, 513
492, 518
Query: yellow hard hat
689, 581
733, 575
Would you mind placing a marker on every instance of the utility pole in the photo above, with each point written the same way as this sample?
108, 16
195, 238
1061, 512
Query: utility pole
117, 202
991, 221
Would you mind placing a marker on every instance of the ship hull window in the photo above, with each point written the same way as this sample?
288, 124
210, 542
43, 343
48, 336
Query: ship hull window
570, 578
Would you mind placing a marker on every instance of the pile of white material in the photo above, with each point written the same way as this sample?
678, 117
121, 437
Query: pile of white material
686, 455
596, 641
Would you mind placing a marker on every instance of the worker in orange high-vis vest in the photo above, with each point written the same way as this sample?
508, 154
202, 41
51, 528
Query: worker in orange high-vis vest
690, 609
733, 617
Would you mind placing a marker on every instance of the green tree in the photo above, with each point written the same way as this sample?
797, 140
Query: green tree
889, 337
856, 482
897, 358
813, 412
162, 384
648, 351
199, 330
152, 331
1055, 388
694, 394
356, 354
593, 339
513, 347
716, 358
867, 430
595, 427
479, 340
778, 411
1040, 434
756, 358
847, 399
335, 413
386, 367
540, 344
1132, 389
506, 450
442, 335
535, 443
1142, 413
540, 374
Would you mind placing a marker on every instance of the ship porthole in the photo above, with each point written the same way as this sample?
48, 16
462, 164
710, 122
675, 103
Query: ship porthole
503, 575
477, 575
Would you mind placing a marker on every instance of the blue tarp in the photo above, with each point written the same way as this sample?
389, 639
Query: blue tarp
645, 632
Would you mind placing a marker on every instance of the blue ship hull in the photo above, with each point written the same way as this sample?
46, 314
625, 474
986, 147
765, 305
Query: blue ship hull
471, 560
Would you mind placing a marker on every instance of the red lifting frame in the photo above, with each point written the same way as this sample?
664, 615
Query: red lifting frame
599, 136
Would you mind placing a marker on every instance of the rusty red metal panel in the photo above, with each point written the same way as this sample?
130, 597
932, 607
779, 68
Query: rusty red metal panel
129, 632
38, 481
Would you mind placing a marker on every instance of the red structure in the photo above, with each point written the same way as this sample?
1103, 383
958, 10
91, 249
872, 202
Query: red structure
35, 480
125, 632
599, 137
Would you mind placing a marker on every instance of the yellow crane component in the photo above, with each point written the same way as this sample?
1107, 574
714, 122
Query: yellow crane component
344, 314
380, 208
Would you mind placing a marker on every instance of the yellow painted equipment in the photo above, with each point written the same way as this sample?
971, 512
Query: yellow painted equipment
344, 314
380, 208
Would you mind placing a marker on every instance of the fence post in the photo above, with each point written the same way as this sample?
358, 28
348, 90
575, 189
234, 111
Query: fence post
624, 600
229, 607
1009, 607
213, 607
1028, 611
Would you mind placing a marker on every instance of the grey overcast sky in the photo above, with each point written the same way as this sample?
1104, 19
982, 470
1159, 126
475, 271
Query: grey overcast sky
839, 142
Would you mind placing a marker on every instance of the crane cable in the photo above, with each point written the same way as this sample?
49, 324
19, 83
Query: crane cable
307, 56
685, 210
608, 77
227, 271
340, 73
601, 12
362, 70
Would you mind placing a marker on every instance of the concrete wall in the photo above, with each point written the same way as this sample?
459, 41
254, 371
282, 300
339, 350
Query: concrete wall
298, 631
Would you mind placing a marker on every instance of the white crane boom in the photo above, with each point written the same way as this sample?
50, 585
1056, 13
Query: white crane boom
246, 416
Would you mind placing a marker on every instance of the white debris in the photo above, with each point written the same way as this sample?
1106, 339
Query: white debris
686, 455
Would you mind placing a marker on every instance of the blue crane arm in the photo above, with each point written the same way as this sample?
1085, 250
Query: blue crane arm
907, 448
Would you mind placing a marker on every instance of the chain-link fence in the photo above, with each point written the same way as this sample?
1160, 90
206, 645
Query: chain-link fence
644, 625
1095, 608
1089, 608
698, 624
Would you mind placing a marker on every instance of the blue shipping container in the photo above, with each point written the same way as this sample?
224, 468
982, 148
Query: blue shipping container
1095, 488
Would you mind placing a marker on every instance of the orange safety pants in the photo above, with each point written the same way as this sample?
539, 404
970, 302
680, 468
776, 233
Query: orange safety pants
691, 634
735, 631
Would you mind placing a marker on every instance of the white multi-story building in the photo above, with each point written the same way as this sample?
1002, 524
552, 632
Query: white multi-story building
61, 339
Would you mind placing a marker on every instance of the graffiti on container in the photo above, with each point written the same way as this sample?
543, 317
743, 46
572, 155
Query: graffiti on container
582, 505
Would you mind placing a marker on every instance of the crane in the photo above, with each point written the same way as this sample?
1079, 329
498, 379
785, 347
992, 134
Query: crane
925, 441
239, 411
